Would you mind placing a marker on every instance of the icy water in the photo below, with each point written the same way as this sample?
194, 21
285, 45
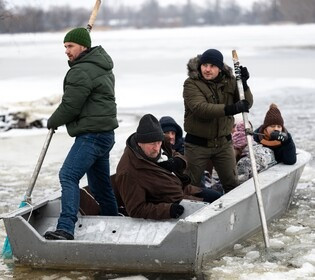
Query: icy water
150, 70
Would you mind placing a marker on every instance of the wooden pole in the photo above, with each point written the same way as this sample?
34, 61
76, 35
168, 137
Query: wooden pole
249, 138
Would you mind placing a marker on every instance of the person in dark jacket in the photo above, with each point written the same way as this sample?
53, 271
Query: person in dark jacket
211, 99
149, 177
173, 133
274, 135
88, 110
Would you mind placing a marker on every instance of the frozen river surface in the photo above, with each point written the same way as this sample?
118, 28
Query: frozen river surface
150, 70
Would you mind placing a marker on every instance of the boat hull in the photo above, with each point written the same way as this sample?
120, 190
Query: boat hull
124, 244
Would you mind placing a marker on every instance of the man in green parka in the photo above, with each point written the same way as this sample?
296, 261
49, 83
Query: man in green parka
88, 110
211, 100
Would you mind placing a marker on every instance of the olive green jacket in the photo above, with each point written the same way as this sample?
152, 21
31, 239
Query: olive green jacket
205, 101
88, 103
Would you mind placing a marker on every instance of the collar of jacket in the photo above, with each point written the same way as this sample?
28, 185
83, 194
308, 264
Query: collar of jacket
132, 144
217, 82
264, 138
82, 54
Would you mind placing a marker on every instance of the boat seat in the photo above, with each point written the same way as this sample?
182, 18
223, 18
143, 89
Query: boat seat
113, 229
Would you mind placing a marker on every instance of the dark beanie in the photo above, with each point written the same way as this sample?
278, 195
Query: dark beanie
273, 116
149, 130
212, 56
80, 36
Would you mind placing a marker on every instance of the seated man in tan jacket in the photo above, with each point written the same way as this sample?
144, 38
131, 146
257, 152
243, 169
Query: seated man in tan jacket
149, 177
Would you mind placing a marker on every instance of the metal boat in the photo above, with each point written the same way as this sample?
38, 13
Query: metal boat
125, 244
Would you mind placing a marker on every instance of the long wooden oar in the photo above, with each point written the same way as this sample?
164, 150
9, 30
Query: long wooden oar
6, 250
93, 15
248, 129
28, 194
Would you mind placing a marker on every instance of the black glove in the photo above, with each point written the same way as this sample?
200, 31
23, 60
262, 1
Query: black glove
49, 126
238, 107
174, 164
278, 135
185, 179
244, 77
176, 210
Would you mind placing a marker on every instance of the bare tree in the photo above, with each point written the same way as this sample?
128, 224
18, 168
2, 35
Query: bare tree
150, 14
275, 15
58, 18
299, 11
3, 12
232, 13
189, 15
212, 12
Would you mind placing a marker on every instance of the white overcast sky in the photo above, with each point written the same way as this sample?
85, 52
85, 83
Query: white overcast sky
45, 4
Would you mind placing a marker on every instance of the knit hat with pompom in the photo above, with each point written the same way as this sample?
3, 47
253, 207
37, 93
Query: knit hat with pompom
273, 116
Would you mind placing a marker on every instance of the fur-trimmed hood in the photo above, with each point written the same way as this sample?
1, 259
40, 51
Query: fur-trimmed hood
193, 67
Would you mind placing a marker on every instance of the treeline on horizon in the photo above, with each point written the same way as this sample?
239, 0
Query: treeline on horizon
152, 15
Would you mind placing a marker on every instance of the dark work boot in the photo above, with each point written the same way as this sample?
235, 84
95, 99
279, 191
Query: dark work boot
59, 234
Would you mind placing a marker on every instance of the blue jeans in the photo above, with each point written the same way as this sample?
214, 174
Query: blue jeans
89, 154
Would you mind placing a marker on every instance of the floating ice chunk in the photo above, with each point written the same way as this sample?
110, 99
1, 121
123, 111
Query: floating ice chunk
303, 186
292, 230
253, 255
238, 247
305, 272
276, 243
310, 257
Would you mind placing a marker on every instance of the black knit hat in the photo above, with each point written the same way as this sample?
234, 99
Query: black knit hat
212, 56
80, 36
273, 116
149, 130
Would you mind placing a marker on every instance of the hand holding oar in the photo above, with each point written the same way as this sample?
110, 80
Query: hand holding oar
248, 129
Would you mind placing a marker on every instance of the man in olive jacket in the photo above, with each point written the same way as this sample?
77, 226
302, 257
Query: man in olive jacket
88, 110
149, 177
211, 99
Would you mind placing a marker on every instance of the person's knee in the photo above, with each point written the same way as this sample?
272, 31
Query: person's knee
67, 175
209, 195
